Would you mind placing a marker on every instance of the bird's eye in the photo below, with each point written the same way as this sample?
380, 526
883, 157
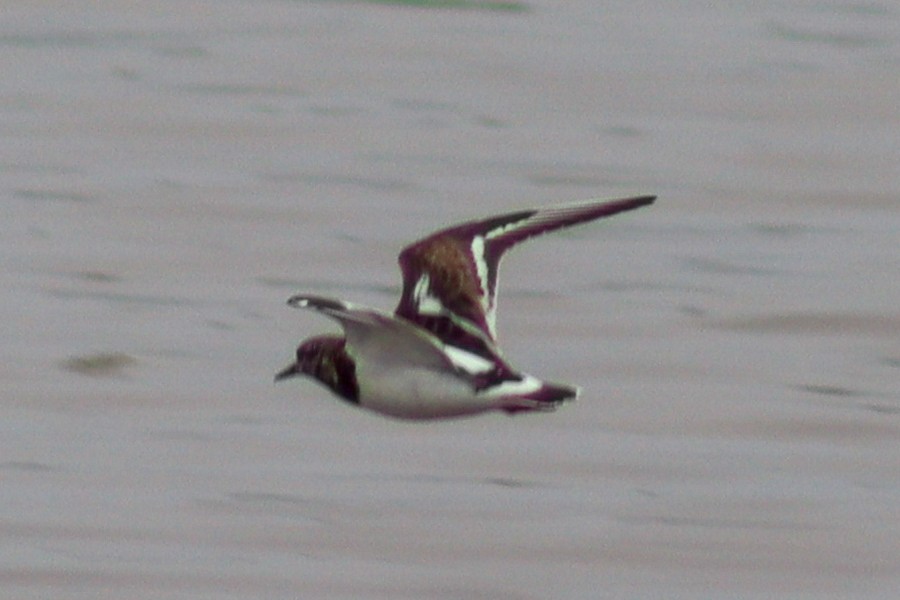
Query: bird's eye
305, 353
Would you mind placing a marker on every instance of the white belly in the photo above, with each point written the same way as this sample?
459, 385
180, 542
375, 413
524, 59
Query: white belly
410, 393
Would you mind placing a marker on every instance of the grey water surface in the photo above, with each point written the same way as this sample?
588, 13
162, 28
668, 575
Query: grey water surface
171, 172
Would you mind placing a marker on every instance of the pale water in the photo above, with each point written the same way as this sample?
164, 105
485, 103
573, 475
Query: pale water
171, 172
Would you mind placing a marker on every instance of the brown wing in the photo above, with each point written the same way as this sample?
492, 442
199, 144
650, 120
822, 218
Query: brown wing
450, 277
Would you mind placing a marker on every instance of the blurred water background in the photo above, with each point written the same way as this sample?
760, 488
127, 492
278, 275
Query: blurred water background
170, 172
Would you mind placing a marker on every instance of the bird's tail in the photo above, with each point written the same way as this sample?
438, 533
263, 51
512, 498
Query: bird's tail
546, 398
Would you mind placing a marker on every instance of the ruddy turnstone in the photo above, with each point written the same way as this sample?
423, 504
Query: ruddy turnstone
437, 355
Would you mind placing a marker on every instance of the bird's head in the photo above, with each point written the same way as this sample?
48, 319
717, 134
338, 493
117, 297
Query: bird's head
325, 359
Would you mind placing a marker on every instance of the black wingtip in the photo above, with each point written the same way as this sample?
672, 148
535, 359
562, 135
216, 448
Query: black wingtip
608, 208
298, 301
316, 302
639, 201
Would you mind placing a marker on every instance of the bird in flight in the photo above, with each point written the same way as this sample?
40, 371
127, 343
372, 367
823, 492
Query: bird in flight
437, 355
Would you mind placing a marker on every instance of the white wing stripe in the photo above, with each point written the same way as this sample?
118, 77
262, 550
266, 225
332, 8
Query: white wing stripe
506, 228
468, 362
425, 302
481, 268
513, 388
